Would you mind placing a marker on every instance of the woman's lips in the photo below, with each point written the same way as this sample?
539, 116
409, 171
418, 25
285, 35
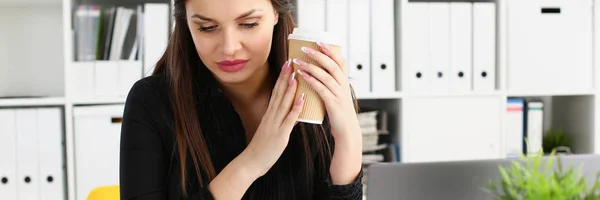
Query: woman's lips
232, 65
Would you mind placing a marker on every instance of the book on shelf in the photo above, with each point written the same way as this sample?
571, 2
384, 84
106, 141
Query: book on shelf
108, 32
524, 123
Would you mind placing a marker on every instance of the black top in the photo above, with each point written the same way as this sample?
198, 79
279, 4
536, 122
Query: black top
149, 163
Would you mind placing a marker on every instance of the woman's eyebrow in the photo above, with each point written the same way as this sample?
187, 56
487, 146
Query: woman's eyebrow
246, 14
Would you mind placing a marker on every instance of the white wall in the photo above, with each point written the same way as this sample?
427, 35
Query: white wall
31, 41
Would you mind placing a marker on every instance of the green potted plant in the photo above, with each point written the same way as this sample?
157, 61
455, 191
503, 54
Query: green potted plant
556, 139
532, 180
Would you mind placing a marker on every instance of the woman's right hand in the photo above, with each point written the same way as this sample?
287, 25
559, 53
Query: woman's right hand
267, 144
273, 133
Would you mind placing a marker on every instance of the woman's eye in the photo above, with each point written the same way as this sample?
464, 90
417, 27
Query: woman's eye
207, 28
249, 25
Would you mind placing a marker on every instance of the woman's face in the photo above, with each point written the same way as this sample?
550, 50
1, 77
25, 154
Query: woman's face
232, 37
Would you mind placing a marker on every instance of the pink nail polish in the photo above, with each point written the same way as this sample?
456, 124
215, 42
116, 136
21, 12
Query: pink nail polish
299, 62
307, 50
299, 102
285, 68
324, 46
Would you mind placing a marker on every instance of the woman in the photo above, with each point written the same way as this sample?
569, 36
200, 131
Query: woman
218, 118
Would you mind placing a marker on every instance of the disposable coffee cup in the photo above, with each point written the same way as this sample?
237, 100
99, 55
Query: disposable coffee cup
313, 111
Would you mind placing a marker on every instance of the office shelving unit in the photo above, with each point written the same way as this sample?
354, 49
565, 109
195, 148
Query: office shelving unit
441, 126
37, 65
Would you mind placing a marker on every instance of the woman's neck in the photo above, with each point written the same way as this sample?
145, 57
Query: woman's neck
252, 91
250, 99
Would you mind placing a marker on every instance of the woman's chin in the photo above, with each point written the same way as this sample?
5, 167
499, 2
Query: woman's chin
232, 78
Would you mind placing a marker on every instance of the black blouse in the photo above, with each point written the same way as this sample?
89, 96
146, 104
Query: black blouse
149, 161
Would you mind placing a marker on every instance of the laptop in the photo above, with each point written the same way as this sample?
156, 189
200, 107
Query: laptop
460, 180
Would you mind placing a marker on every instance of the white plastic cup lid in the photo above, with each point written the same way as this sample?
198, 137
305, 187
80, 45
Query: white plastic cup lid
314, 36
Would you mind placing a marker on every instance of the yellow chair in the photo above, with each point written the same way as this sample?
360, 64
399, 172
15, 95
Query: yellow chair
110, 192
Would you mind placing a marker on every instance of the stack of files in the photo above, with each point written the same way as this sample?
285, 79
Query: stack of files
122, 33
373, 124
449, 46
31, 152
524, 124
368, 126
372, 158
367, 40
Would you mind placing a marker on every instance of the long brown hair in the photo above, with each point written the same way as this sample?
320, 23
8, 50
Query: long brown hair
178, 64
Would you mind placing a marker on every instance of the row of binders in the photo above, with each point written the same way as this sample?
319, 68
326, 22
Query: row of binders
121, 33
524, 121
366, 28
31, 154
449, 46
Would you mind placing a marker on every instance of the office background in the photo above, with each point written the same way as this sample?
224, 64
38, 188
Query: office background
436, 81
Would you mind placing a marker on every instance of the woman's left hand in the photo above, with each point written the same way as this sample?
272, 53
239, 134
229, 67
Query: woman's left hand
330, 81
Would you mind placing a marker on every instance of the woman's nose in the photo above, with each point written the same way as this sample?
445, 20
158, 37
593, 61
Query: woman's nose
231, 42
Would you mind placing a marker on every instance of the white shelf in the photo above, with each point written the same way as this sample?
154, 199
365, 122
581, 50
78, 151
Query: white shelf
96, 101
391, 95
552, 93
28, 2
41, 101
454, 94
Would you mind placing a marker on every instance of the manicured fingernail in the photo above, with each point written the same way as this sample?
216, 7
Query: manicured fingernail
299, 102
299, 72
293, 76
299, 62
286, 69
324, 46
308, 51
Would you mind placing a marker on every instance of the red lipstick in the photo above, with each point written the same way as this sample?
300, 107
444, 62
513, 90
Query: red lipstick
232, 65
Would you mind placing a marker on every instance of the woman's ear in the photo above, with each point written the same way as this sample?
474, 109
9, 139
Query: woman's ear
276, 19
